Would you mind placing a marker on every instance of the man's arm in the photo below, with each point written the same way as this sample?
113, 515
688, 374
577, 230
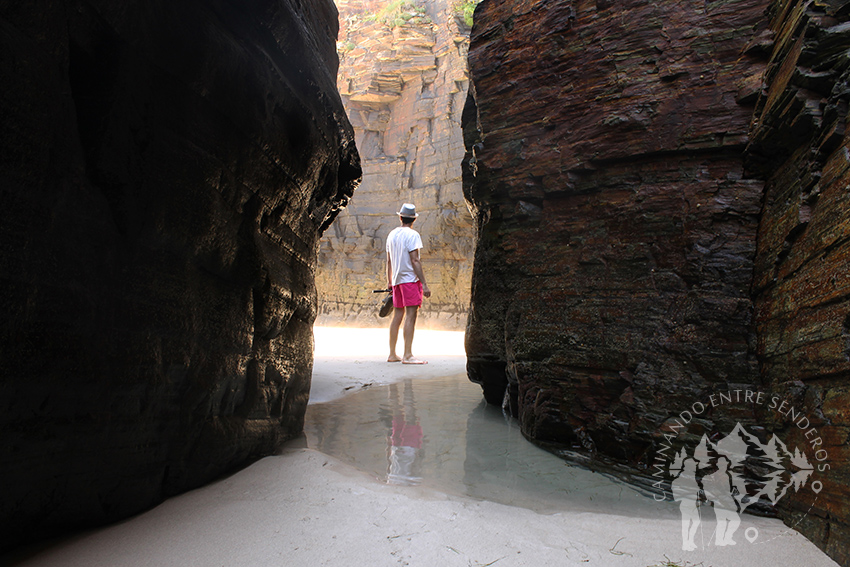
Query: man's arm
417, 269
389, 272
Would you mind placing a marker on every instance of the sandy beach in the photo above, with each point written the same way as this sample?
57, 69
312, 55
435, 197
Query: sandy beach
348, 360
303, 507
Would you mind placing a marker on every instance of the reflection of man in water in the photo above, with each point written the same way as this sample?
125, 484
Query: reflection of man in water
718, 489
404, 441
686, 490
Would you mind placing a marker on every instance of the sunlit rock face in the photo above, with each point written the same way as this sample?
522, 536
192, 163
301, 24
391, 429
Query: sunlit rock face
403, 81
167, 171
802, 282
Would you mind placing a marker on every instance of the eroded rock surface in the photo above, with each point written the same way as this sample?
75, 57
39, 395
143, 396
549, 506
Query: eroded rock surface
403, 83
660, 195
802, 281
167, 169
616, 225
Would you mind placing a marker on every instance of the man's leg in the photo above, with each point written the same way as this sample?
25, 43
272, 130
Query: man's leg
409, 325
395, 324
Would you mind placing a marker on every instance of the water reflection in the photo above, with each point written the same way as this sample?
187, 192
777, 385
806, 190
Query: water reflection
404, 438
440, 433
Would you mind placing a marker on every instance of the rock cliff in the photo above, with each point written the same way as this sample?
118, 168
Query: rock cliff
616, 227
403, 81
167, 169
802, 281
659, 192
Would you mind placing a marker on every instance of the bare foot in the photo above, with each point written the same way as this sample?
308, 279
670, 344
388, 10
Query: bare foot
393, 358
413, 360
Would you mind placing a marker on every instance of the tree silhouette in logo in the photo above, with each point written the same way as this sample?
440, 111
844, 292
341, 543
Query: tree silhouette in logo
720, 476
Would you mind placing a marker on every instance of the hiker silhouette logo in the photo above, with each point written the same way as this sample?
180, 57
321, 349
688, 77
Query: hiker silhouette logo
723, 475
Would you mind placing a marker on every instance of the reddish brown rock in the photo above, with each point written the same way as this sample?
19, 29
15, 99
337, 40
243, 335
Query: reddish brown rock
616, 225
167, 169
658, 221
802, 279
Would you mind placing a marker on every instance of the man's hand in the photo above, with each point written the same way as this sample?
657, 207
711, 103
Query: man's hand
426, 291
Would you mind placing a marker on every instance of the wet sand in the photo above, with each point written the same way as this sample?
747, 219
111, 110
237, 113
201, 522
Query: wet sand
304, 507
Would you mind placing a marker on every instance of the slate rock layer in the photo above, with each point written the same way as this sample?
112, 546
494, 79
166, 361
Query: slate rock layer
616, 226
660, 194
167, 169
802, 280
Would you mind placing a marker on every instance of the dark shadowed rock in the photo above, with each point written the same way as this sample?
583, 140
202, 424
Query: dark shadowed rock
166, 171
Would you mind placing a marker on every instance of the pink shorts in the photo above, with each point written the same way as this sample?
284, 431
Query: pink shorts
407, 294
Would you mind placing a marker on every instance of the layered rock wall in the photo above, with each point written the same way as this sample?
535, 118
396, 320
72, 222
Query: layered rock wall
167, 169
403, 81
659, 193
616, 226
802, 280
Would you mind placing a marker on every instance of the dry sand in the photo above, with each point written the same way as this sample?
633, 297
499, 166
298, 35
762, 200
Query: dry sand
303, 508
348, 360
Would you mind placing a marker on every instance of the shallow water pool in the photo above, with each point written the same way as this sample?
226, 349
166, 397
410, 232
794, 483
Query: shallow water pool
439, 432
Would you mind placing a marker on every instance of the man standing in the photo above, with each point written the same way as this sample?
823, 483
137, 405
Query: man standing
406, 279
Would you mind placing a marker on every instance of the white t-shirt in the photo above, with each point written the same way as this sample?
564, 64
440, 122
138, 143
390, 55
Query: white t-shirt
400, 243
